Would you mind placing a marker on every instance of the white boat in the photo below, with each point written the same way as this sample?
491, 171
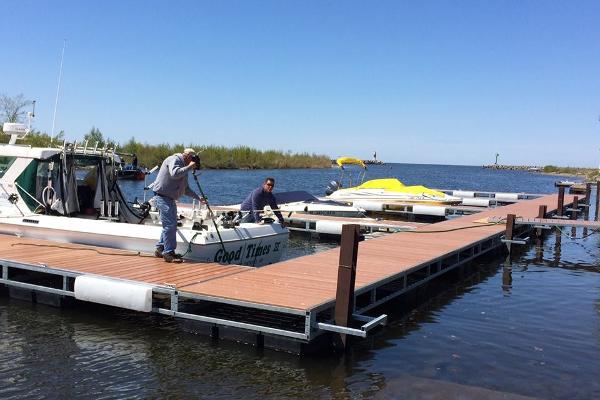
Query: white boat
380, 194
305, 203
71, 194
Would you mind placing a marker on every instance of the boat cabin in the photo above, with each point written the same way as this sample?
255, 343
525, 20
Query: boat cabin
70, 181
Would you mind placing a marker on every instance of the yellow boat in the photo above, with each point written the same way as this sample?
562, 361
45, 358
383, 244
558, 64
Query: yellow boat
387, 191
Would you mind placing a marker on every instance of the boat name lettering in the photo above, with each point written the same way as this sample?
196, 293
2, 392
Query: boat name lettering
255, 250
226, 257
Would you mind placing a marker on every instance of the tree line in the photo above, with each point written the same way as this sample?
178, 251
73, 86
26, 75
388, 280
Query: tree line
12, 109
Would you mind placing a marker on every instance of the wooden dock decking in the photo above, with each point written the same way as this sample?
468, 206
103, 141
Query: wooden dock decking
302, 289
310, 281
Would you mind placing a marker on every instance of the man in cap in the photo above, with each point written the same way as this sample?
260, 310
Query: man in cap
170, 184
257, 199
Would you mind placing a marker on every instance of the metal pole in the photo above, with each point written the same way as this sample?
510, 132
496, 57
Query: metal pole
212, 216
344, 299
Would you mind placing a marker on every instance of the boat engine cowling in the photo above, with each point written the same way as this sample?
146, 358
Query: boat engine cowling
332, 187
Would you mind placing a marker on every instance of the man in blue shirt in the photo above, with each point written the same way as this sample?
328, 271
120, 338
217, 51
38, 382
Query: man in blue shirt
257, 199
171, 183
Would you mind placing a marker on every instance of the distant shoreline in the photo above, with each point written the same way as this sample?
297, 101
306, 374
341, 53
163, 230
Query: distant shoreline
590, 174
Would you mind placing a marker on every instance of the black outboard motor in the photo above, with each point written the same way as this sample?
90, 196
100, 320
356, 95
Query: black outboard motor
332, 187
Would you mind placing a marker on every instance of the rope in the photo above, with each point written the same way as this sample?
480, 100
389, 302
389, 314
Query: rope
136, 254
457, 229
189, 249
593, 232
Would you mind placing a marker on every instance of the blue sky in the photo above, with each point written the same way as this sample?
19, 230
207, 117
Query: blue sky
442, 82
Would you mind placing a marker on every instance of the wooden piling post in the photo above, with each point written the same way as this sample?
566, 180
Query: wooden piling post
575, 207
542, 211
561, 200
508, 235
510, 226
344, 299
597, 198
588, 192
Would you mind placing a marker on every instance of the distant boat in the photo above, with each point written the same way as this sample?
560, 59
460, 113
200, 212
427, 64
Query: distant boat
131, 172
388, 191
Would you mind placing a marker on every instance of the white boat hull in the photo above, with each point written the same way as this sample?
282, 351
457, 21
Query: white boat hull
387, 197
238, 247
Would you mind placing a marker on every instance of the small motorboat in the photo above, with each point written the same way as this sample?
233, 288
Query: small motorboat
131, 172
387, 191
305, 203
71, 194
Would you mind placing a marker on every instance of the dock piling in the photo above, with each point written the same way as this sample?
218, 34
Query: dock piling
542, 211
597, 198
344, 299
574, 210
575, 207
588, 192
561, 200
508, 236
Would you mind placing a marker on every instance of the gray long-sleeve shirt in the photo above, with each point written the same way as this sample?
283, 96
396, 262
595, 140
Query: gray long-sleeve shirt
172, 179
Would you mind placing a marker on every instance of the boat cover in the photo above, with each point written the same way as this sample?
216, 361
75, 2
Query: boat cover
394, 185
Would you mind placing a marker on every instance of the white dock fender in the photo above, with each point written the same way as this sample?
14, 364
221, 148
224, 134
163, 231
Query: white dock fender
329, 227
429, 210
112, 292
462, 193
466, 201
506, 196
368, 205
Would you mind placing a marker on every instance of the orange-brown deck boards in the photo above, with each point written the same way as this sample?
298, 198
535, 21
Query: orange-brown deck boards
301, 283
110, 262
292, 283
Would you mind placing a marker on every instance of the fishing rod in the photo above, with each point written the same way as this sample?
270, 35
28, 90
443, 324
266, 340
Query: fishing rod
209, 210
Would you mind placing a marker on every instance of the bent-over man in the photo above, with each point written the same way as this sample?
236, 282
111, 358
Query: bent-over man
257, 199
170, 184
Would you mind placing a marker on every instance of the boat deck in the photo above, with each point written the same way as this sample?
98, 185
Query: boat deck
293, 298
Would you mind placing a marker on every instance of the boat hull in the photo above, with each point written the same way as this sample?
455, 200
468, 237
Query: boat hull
238, 246
390, 198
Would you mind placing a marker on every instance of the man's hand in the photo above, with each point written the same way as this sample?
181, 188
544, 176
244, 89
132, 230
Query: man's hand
202, 200
192, 165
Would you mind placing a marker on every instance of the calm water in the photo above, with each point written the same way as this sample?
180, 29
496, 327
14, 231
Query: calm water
537, 337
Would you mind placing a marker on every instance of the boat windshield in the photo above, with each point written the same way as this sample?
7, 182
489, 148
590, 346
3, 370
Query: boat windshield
5, 163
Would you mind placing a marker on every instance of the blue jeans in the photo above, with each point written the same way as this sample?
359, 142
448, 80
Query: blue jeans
167, 210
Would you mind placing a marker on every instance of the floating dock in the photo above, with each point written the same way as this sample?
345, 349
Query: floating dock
289, 305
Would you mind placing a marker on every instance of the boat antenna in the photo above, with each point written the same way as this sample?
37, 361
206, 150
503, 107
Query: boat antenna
212, 216
58, 89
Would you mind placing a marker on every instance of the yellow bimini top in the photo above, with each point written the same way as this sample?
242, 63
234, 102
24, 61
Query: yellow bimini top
350, 160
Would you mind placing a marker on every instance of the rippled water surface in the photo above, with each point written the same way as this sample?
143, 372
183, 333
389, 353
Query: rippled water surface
532, 330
